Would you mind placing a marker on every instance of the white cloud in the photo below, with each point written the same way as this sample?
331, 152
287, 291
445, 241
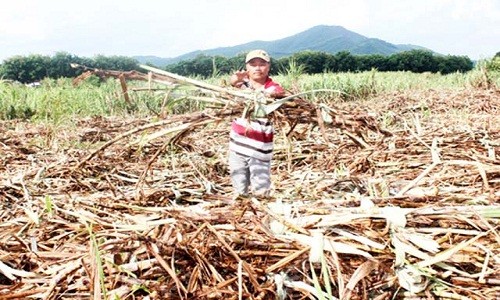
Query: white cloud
470, 10
19, 23
171, 28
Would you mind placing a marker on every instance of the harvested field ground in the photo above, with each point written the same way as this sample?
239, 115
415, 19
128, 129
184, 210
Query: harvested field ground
106, 212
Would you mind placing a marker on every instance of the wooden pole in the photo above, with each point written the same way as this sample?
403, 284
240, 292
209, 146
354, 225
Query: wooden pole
124, 89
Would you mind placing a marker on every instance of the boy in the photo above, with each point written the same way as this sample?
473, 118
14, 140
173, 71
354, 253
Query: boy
251, 140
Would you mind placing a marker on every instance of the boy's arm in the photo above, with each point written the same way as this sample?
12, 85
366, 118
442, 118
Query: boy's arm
238, 78
278, 92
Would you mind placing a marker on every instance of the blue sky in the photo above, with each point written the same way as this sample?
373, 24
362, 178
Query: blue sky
174, 27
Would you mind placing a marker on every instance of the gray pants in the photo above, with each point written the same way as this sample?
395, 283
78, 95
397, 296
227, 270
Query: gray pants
249, 172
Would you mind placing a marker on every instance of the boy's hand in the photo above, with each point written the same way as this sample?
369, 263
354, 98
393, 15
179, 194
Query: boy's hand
238, 78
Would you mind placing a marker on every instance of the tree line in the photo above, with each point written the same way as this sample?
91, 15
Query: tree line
314, 62
35, 67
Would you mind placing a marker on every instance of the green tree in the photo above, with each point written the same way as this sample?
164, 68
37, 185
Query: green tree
221, 65
60, 65
417, 61
201, 65
450, 64
345, 61
318, 62
119, 63
374, 61
313, 61
25, 68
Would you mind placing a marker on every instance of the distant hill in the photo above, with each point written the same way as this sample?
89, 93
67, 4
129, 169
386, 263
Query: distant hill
329, 39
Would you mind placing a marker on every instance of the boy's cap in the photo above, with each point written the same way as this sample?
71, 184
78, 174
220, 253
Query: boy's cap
258, 54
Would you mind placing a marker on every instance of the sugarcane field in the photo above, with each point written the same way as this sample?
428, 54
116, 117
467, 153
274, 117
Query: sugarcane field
385, 194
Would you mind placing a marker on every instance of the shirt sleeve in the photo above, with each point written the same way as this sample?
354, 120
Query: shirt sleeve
273, 87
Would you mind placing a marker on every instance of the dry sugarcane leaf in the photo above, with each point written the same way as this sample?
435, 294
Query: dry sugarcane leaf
13, 273
361, 272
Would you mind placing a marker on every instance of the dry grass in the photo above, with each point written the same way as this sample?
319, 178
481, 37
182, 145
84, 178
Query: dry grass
132, 209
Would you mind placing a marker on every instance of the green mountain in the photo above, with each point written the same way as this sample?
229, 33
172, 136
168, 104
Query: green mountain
330, 39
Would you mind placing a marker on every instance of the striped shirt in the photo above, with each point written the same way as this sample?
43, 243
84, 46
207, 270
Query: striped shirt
269, 86
252, 138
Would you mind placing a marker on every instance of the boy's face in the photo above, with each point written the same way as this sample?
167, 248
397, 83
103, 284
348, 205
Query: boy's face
258, 69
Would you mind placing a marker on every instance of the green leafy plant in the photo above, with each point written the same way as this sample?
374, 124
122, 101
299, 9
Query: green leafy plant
97, 260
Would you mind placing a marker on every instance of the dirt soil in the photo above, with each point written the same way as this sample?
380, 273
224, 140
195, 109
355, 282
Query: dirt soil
111, 208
